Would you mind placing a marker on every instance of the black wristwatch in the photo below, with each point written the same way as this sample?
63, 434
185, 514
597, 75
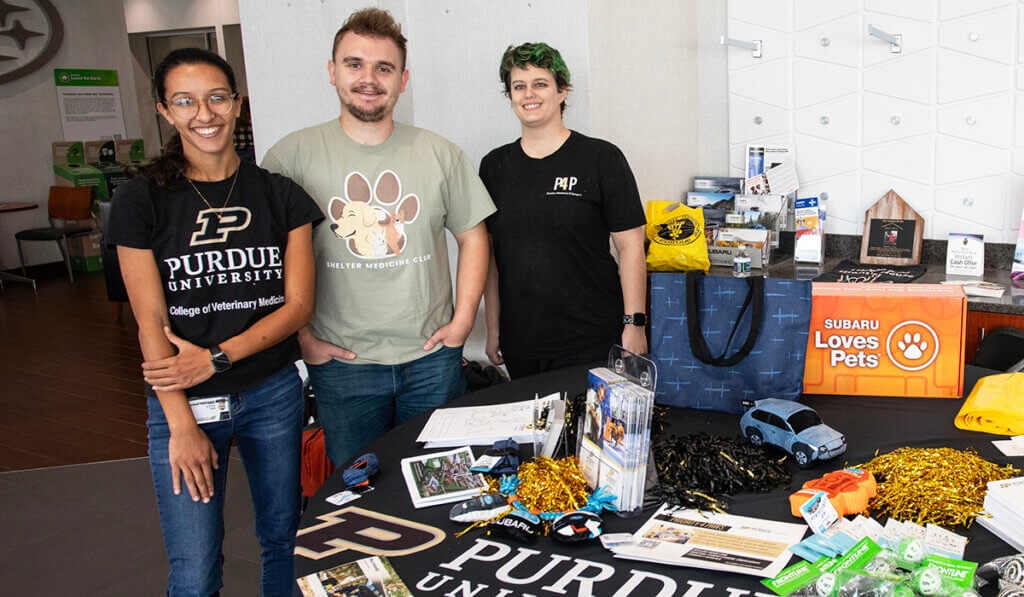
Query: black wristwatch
221, 362
635, 319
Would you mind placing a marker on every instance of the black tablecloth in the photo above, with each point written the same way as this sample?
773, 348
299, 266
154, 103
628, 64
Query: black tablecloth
460, 566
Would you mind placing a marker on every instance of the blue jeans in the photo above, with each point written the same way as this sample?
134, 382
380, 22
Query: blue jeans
359, 403
266, 424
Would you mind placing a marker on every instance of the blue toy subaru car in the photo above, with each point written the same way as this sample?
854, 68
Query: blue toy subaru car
795, 428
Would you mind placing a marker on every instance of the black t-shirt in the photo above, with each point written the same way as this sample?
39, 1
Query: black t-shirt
558, 283
220, 275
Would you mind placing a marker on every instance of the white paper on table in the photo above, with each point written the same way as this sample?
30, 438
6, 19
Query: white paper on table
1009, 447
714, 541
480, 425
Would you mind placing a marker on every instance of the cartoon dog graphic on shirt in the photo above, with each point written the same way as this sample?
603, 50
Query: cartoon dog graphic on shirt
373, 231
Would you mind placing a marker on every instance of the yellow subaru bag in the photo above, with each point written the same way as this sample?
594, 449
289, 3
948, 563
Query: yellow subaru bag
676, 234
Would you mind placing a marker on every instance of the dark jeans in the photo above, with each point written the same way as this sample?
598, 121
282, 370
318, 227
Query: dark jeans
522, 367
359, 403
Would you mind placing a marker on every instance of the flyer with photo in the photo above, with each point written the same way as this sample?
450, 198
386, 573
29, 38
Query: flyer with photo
370, 576
714, 541
442, 477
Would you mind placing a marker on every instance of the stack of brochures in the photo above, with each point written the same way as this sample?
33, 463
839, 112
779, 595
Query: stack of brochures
713, 541
1004, 511
735, 222
442, 477
616, 437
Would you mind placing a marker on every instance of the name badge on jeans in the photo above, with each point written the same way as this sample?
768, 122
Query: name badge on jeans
211, 410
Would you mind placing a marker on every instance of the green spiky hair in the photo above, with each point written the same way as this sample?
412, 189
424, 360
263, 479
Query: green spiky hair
538, 54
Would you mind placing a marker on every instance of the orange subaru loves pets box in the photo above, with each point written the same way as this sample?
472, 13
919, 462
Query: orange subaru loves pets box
886, 340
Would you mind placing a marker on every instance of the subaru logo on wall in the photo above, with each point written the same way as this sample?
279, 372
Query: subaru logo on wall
30, 35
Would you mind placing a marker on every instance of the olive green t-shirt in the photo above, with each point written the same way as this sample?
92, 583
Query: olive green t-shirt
383, 283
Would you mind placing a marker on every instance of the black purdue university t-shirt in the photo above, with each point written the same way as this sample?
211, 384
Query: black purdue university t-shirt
219, 275
558, 283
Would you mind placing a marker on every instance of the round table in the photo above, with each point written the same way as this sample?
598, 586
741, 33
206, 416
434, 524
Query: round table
383, 521
11, 207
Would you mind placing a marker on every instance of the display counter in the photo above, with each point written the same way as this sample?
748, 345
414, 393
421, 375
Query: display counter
423, 547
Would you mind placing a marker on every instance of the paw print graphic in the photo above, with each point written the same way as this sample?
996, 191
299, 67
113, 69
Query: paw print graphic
912, 346
370, 230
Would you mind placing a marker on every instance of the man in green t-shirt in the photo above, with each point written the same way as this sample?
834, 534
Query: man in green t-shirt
385, 341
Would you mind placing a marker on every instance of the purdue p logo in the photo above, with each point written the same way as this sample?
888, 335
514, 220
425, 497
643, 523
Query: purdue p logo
215, 224
367, 532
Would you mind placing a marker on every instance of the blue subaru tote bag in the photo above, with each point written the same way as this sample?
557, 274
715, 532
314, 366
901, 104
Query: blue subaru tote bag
719, 340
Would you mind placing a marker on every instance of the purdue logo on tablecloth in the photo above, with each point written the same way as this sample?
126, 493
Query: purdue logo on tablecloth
366, 532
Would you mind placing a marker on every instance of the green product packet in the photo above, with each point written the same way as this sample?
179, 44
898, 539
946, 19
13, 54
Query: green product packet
959, 571
793, 578
857, 557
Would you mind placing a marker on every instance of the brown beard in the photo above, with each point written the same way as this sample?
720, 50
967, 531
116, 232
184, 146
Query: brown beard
375, 115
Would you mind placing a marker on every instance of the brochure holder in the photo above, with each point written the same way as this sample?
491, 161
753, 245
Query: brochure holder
548, 425
615, 440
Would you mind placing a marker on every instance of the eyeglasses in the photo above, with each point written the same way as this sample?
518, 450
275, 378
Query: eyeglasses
186, 107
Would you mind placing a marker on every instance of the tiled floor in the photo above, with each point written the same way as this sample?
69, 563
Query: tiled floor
92, 529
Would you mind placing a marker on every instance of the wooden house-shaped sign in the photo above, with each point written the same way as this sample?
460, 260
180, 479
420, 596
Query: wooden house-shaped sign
893, 232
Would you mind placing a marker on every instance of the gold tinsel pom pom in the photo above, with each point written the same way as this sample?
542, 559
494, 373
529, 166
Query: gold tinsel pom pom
547, 485
938, 485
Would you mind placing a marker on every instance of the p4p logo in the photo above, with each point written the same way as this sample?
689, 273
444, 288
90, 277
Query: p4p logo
912, 345
34, 31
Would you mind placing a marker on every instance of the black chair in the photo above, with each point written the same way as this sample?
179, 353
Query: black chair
1001, 349
67, 208
117, 294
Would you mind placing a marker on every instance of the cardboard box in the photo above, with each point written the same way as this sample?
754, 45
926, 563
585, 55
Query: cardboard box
70, 169
100, 155
130, 152
84, 253
886, 340
723, 256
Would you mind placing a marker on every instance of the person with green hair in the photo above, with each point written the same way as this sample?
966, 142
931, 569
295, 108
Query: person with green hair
555, 296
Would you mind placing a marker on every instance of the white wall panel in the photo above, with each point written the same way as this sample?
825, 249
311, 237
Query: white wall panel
809, 13
749, 119
837, 42
889, 119
910, 78
769, 14
768, 83
939, 121
987, 120
912, 9
957, 160
829, 159
952, 9
816, 82
910, 159
835, 121
978, 201
961, 77
988, 36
